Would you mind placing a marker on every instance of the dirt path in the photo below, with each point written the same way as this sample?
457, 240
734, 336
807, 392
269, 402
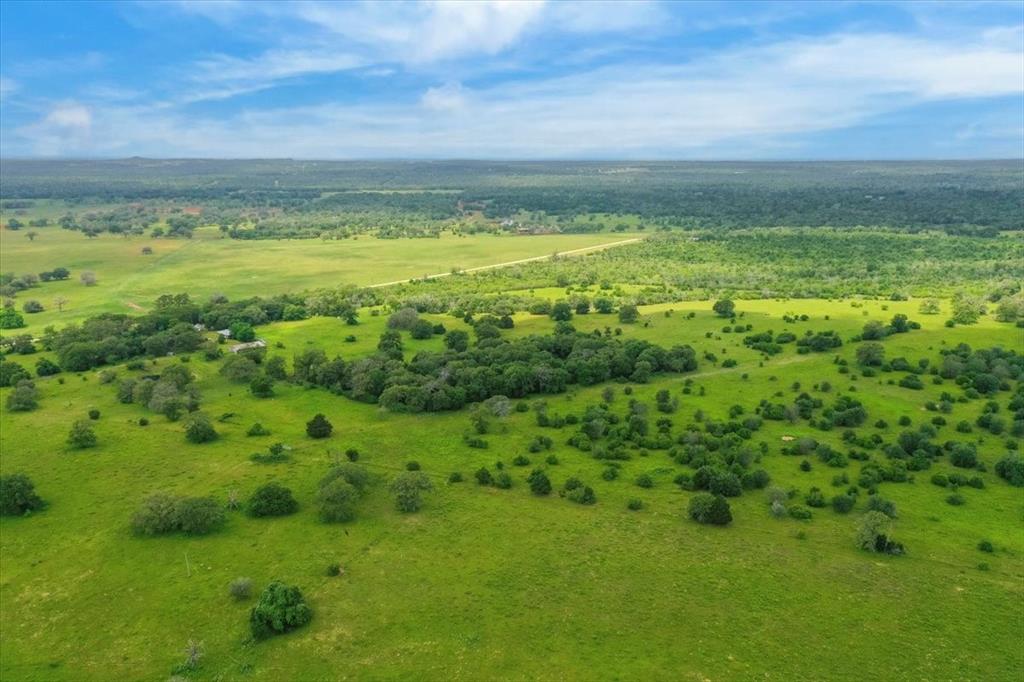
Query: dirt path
596, 247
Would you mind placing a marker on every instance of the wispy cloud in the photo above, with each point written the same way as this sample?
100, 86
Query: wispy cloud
750, 97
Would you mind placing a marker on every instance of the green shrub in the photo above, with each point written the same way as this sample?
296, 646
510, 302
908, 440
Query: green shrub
272, 499
795, 511
18, 495
81, 436
644, 481
240, 588
281, 608
1011, 469
842, 504
540, 484
710, 509
199, 429
986, 546
319, 427
635, 504
408, 488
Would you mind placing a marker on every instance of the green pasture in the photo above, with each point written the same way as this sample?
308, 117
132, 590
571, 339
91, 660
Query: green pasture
129, 281
485, 583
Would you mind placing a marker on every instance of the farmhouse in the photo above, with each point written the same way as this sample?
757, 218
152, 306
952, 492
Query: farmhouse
239, 347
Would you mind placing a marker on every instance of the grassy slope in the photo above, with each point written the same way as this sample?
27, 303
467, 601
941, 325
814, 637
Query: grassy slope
483, 582
209, 264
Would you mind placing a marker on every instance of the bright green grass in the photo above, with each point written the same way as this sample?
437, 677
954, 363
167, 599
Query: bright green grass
485, 583
129, 281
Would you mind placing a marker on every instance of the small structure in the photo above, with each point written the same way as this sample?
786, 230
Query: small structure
226, 333
239, 347
199, 327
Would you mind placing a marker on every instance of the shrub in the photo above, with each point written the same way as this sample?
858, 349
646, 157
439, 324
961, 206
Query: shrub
843, 504
199, 429
94, 414
281, 608
1011, 469
710, 509
81, 435
455, 477
412, 466
337, 499
582, 494
940, 480
262, 386
882, 505
46, 368
198, 515
333, 570
815, 498
540, 484
319, 427
483, 476
955, 499
521, 461
635, 504
408, 487
645, 481
240, 588
24, 397
257, 429
503, 480
18, 495
986, 546
797, 512
156, 516
272, 499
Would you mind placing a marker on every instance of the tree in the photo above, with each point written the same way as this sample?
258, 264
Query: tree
31, 234
408, 487
24, 397
404, 319
272, 499
929, 307
561, 312
1011, 469
198, 515
872, 525
628, 313
456, 340
540, 484
239, 368
81, 435
967, 309
11, 319
870, 354
199, 429
45, 368
319, 427
724, 307
422, 329
242, 332
18, 495
88, 278
280, 608
262, 386
604, 305
60, 302
710, 509
32, 306
337, 499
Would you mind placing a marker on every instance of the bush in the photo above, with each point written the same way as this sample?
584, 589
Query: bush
503, 480
81, 436
199, 429
540, 484
521, 461
46, 368
337, 499
635, 504
272, 499
257, 429
710, 509
198, 515
455, 477
800, 513
319, 427
882, 505
408, 488
240, 588
18, 495
843, 504
333, 570
262, 386
24, 397
412, 466
281, 608
582, 494
986, 546
483, 476
645, 481
956, 500
1011, 469
94, 414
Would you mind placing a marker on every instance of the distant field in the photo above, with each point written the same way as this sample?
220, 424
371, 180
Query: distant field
207, 264
487, 583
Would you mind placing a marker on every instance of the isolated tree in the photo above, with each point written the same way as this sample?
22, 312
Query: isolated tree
408, 488
628, 313
561, 312
60, 302
319, 427
24, 397
81, 435
930, 306
32, 306
540, 484
456, 340
280, 608
870, 354
337, 499
18, 495
724, 307
710, 509
88, 278
31, 234
872, 525
199, 429
272, 499
262, 386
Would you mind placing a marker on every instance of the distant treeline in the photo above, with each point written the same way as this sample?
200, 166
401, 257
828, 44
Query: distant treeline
963, 197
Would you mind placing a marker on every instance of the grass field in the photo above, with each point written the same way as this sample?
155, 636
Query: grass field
129, 281
486, 583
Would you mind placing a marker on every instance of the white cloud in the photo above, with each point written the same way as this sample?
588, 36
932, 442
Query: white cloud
446, 98
747, 100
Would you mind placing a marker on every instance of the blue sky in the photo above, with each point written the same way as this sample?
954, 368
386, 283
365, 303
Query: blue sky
629, 80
